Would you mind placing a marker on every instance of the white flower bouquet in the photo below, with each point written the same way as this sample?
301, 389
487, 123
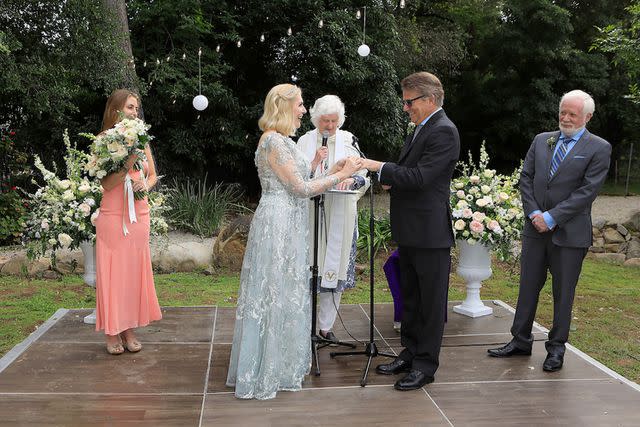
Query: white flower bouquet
486, 206
111, 148
62, 212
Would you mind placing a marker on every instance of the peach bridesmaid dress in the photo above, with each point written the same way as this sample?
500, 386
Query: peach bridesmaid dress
125, 292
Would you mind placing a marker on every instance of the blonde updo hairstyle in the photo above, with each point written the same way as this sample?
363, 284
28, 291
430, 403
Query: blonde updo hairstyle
278, 109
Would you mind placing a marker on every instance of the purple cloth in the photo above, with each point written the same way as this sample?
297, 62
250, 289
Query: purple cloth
392, 271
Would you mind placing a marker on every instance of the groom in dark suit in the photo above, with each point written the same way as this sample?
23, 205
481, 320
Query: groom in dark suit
421, 225
562, 174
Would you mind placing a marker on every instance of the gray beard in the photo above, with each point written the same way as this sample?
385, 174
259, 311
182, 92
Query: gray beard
570, 133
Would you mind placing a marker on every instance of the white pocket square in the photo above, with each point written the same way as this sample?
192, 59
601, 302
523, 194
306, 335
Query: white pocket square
579, 157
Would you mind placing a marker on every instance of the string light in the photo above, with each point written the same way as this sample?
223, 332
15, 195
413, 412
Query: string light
218, 49
358, 14
157, 61
184, 56
321, 24
144, 64
262, 38
239, 44
402, 5
289, 31
363, 49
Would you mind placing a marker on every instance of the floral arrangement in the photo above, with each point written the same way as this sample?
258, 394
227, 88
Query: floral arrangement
486, 206
63, 210
111, 148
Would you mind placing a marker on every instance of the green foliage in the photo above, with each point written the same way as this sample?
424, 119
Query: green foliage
381, 234
56, 69
621, 40
196, 207
13, 175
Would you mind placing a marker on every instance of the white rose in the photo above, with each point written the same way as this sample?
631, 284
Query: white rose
52, 241
81, 226
462, 204
65, 240
458, 185
64, 184
474, 179
489, 173
459, 225
84, 187
67, 196
467, 213
478, 216
503, 196
85, 209
460, 194
481, 202
90, 201
120, 154
474, 190
44, 224
101, 174
485, 189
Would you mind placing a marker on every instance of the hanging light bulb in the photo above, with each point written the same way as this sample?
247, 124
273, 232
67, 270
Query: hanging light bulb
289, 31
150, 84
321, 24
199, 51
218, 49
262, 38
358, 14
184, 56
144, 64
174, 101
198, 118
402, 5
222, 128
168, 58
157, 61
239, 44
246, 136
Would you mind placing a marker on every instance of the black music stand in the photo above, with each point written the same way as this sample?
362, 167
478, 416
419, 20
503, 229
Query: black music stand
371, 349
317, 341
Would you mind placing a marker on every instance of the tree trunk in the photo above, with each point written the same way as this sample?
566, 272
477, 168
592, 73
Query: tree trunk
117, 12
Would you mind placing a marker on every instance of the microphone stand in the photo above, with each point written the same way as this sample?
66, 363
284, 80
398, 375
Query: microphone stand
371, 349
318, 341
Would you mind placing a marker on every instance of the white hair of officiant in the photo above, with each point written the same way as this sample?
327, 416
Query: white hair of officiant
328, 104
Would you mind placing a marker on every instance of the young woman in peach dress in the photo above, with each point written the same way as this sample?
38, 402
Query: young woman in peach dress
125, 293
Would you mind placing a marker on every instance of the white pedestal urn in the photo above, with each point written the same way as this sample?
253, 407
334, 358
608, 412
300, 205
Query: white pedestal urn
474, 266
89, 252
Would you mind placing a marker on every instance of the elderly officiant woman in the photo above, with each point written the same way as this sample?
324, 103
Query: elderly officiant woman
338, 232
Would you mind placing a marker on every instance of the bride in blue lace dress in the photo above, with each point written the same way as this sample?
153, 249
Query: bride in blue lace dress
271, 348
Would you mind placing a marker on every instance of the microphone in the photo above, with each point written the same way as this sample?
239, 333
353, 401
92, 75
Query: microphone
325, 137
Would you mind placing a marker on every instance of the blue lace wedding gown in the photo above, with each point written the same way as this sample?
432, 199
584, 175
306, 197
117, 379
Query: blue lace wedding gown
271, 348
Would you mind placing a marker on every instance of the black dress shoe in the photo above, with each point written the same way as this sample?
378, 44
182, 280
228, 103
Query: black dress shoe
414, 380
508, 351
394, 367
330, 336
553, 362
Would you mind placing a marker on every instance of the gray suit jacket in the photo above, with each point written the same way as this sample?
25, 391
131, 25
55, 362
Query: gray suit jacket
569, 194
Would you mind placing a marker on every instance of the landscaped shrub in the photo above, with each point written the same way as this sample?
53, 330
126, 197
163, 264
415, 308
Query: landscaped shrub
13, 174
199, 208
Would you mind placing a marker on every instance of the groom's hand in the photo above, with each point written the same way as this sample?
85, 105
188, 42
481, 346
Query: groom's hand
539, 223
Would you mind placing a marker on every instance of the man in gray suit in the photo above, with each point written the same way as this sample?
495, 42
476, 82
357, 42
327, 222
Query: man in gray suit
562, 174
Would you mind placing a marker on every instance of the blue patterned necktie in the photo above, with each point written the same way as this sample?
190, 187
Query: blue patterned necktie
559, 156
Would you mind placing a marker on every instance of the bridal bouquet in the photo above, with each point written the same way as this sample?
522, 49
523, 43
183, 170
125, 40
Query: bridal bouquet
62, 211
110, 149
486, 206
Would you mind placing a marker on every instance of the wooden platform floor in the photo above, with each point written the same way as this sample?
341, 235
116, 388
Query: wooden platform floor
62, 375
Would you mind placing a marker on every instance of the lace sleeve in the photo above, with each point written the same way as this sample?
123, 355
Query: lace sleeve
282, 162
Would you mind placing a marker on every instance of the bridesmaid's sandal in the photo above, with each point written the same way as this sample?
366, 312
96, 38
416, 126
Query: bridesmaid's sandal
115, 349
133, 345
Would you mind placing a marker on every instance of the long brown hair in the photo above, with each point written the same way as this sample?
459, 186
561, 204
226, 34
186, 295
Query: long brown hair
115, 105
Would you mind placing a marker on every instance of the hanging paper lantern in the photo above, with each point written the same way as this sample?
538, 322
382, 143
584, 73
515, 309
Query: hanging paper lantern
200, 102
363, 50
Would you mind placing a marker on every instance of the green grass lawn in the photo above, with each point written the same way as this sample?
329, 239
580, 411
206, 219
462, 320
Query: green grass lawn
606, 322
610, 188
